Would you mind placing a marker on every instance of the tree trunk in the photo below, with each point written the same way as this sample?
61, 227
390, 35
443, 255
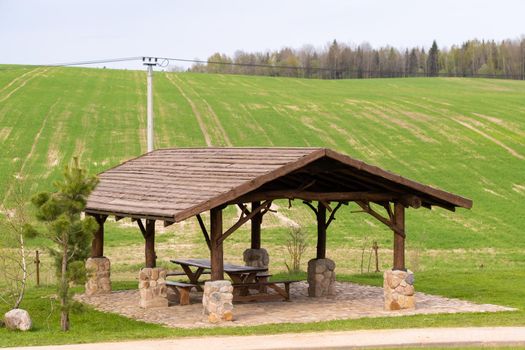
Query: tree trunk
64, 302
22, 289
64, 320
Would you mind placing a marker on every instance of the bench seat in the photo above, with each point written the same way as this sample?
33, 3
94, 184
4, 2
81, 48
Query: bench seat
182, 273
182, 290
241, 291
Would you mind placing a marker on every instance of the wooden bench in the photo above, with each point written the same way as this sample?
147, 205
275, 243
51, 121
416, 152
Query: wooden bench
241, 291
182, 289
262, 275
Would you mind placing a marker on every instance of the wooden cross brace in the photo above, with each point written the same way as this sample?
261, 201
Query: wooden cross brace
327, 205
245, 216
390, 222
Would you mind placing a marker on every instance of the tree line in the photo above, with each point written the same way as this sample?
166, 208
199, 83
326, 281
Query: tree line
473, 58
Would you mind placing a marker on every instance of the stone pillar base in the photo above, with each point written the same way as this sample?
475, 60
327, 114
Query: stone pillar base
152, 287
217, 301
98, 276
256, 257
399, 290
321, 277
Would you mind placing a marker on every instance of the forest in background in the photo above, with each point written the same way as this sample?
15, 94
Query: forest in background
474, 58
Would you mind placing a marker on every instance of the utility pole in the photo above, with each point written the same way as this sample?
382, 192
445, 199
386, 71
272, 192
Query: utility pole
150, 62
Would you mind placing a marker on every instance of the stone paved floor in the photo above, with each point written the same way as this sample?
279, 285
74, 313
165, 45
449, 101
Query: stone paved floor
352, 301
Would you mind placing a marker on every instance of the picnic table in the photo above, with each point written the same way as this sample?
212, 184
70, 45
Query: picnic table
239, 274
244, 279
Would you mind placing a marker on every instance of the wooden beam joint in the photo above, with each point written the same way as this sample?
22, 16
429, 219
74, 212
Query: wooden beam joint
388, 222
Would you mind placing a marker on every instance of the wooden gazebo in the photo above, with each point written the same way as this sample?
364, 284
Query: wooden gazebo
172, 185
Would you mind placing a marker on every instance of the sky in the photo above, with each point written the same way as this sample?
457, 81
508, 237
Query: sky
57, 31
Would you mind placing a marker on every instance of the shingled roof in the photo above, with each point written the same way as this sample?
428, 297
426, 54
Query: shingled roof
177, 183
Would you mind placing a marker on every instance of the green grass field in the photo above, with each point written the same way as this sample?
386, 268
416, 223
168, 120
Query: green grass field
466, 136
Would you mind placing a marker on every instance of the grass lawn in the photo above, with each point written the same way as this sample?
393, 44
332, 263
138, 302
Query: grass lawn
463, 135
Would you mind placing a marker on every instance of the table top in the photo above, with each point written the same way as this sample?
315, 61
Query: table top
228, 268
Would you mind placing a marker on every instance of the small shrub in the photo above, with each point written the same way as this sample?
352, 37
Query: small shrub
296, 246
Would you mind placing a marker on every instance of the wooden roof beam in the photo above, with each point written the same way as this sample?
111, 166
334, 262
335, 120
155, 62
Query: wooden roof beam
122, 215
347, 182
374, 182
333, 176
317, 196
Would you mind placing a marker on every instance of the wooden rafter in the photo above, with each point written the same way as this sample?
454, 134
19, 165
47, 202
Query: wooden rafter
290, 181
347, 179
369, 180
307, 185
333, 176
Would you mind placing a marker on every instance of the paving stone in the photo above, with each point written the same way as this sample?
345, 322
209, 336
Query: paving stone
351, 301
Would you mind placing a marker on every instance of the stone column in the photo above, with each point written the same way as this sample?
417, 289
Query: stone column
399, 290
217, 301
98, 276
152, 287
321, 277
256, 257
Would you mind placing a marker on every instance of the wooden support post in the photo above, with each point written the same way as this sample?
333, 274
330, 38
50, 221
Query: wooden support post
256, 226
321, 231
97, 245
399, 240
149, 250
217, 262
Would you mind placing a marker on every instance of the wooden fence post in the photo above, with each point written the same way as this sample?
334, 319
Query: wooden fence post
37, 263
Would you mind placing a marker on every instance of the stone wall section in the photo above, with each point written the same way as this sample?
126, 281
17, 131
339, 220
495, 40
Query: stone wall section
398, 287
217, 301
321, 277
98, 276
152, 287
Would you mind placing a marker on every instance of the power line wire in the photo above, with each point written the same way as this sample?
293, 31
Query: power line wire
339, 73
82, 63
